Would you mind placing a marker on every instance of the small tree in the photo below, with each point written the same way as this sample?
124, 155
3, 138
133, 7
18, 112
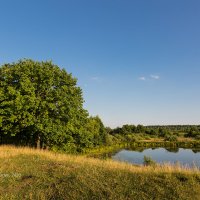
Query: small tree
171, 138
140, 128
96, 130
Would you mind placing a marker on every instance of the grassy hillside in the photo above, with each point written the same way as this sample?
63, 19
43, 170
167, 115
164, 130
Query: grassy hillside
33, 174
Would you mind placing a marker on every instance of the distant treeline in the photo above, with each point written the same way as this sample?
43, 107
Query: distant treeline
169, 132
154, 129
183, 128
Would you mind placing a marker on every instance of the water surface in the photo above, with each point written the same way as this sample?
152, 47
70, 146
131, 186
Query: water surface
183, 156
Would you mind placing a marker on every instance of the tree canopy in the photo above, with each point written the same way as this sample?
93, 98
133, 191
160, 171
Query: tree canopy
41, 104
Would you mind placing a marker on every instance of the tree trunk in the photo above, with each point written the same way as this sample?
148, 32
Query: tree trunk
38, 142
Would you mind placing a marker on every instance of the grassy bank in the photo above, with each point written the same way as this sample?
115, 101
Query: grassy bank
180, 144
33, 174
107, 151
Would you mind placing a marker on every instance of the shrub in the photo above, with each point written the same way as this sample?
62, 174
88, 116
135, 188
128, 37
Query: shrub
197, 137
171, 138
148, 161
177, 134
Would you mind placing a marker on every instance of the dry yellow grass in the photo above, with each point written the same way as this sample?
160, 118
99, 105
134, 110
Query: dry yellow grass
7, 152
27, 173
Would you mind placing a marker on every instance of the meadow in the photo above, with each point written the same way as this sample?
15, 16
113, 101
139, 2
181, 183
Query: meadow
27, 173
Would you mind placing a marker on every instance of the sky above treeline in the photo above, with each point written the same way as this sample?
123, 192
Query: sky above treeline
137, 61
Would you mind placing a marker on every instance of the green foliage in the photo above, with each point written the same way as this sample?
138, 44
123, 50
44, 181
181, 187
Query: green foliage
193, 132
171, 138
151, 131
140, 129
197, 137
40, 103
177, 134
148, 161
163, 132
131, 138
127, 129
132, 133
95, 127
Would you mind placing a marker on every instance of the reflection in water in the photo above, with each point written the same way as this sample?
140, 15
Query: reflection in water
160, 155
195, 150
175, 150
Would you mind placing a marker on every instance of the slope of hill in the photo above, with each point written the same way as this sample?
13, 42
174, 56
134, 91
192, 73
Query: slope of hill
32, 174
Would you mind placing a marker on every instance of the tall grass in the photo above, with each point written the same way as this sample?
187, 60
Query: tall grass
27, 173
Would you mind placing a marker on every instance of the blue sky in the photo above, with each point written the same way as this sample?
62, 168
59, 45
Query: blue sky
137, 61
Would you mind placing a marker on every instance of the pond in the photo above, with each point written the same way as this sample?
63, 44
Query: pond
187, 157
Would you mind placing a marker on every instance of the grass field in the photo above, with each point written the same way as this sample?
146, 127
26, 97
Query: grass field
33, 174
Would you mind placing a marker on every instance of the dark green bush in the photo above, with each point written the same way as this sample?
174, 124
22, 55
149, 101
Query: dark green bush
148, 161
171, 138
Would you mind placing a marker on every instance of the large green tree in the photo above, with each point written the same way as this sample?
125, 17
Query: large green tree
40, 104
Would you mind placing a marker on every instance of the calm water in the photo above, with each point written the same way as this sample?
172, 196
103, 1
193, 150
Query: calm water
160, 155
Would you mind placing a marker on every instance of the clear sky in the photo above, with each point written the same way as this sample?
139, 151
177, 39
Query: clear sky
137, 61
